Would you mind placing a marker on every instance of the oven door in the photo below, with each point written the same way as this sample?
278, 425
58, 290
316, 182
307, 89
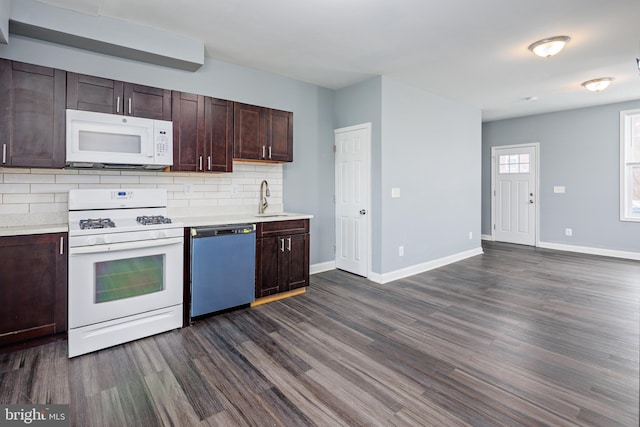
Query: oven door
113, 281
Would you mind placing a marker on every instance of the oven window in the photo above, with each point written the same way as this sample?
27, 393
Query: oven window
130, 277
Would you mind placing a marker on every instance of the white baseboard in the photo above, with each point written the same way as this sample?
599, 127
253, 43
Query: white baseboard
592, 251
486, 237
324, 266
421, 268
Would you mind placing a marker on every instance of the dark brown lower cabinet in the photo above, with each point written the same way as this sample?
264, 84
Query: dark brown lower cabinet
282, 256
33, 286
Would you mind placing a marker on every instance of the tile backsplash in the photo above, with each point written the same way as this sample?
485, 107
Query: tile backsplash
39, 196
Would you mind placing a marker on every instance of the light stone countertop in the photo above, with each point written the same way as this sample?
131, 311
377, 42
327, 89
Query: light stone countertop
33, 229
199, 221
189, 221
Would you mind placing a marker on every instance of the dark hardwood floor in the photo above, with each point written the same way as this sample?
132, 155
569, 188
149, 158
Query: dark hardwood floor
517, 336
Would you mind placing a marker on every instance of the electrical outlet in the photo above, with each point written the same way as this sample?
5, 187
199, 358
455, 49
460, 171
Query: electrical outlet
188, 188
400, 250
568, 232
471, 235
395, 192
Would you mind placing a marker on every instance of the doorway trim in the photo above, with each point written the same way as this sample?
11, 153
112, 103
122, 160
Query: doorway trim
494, 171
368, 223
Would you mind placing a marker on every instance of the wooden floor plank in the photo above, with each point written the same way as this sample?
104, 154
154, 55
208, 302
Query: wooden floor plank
517, 336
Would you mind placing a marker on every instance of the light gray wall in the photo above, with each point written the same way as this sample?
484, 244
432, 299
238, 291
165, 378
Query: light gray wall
354, 105
306, 180
579, 149
431, 149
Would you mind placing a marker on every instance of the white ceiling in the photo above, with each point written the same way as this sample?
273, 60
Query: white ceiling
470, 51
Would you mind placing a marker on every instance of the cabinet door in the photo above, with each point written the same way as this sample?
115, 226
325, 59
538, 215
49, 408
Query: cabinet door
298, 250
188, 132
249, 139
218, 135
148, 102
33, 289
89, 93
267, 256
280, 136
32, 115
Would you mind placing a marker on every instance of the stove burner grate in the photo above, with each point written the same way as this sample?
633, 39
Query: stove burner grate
152, 220
86, 224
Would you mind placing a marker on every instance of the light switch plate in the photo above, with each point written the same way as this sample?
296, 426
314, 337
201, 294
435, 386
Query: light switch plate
558, 189
395, 192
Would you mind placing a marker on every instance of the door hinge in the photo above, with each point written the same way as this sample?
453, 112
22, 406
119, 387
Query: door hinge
334, 148
494, 226
334, 249
494, 193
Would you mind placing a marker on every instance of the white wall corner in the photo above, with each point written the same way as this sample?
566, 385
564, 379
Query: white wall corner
104, 35
5, 10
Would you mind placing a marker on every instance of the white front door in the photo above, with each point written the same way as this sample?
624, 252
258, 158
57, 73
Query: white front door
353, 175
515, 194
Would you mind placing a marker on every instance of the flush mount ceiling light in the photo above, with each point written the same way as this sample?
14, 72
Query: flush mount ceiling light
596, 85
549, 47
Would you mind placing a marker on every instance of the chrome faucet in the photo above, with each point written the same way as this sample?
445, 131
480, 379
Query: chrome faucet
263, 198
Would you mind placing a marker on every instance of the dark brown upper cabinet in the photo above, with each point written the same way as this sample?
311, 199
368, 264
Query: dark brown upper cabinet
32, 115
202, 133
90, 93
262, 134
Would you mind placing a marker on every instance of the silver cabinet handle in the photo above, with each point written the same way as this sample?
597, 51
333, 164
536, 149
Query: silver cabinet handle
129, 106
281, 245
62, 245
117, 104
289, 245
263, 154
4, 153
200, 162
269, 152
209, 161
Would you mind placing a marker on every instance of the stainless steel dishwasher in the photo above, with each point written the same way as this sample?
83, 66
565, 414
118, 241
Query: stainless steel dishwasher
223, 263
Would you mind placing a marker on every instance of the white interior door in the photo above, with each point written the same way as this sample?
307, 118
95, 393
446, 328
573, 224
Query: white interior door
352, 193
515, 194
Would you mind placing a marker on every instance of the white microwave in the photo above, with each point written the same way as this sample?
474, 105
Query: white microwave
113, 141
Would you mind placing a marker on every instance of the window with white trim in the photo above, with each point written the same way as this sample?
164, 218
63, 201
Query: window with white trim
630, 165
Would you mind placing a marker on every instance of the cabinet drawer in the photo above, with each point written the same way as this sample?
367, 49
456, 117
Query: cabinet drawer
276, 228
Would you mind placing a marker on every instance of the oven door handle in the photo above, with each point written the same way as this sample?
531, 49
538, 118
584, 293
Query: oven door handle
114, 247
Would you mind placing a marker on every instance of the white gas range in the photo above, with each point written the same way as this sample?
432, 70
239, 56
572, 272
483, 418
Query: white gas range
125, 267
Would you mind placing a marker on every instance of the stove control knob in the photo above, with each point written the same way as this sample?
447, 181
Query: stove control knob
106, 239
91, 240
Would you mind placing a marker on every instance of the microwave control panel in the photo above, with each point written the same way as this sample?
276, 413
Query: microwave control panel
163, 140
